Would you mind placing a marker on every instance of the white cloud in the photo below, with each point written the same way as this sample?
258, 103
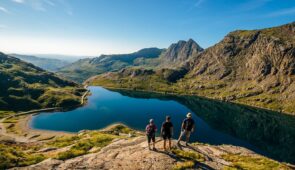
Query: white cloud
288, 11
4, 10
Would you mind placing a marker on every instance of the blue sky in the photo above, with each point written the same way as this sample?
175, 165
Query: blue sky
93, 27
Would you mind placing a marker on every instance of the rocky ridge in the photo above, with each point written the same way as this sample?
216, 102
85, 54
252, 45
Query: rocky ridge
133, 154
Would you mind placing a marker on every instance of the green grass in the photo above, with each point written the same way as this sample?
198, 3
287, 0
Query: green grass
189, 155
189, 159
29, 87
184, 165
83, 146
121, 129
64, 141
252, 162
5, 113
14, 156
11, 120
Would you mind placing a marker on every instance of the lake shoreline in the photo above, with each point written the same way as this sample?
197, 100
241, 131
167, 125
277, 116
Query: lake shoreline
23, 124
30, 134
203, 97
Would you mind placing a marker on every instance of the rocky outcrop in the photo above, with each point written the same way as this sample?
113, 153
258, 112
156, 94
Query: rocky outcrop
181, 51
250, 55
250, 64
134, 154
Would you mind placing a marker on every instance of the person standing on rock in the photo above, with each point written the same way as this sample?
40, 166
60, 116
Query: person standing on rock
187, 127
151, 130
167, 131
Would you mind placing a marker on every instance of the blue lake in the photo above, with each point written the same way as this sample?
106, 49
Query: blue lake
269, 133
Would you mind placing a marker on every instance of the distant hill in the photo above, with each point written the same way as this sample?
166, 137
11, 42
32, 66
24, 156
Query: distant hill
176, 55
49, 64
254, 67
85, 68
24, 86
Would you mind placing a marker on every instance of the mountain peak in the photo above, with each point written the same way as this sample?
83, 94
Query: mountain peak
182, 50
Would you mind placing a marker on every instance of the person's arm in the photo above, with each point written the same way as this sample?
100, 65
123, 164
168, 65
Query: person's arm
162, 129
171, 129
146, 128
193, 129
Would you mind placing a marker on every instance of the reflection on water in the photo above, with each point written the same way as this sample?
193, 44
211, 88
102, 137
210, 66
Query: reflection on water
269, 133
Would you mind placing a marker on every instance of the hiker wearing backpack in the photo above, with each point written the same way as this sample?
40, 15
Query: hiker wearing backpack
167, 132
151, 130
187, 127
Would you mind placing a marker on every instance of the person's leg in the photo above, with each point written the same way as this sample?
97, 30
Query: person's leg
154, 141
169, 143
149, 141
180, 136
187, 137
164, 144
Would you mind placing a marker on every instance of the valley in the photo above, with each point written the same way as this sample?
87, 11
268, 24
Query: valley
61, 115
49, 64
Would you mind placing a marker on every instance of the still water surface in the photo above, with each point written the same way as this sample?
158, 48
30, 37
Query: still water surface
268, 133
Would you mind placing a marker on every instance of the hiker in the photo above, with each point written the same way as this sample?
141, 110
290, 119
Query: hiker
187, 127
151, 130
167, 131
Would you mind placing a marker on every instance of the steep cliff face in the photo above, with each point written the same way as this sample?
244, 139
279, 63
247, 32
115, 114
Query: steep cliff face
251, 55
180, 52
250, 66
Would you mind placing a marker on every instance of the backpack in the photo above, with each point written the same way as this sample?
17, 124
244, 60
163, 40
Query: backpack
150, 129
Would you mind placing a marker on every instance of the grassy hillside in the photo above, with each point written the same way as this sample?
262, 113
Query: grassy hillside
24, 86
85, 68
44, 63
250, 67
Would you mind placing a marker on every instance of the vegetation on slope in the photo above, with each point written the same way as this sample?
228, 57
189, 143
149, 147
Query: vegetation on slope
253, 162
22, 154
85, 68
24, 86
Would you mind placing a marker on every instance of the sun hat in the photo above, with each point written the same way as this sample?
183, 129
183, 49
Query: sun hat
189, 114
